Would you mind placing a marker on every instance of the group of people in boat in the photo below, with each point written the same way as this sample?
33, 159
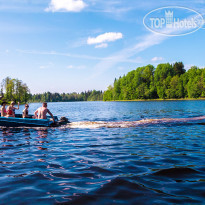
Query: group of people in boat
40, 113
9, 111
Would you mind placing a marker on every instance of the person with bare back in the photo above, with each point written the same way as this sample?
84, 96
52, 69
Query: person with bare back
41, 112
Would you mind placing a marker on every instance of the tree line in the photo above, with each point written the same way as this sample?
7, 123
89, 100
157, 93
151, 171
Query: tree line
16, 90
68, 97
166, 81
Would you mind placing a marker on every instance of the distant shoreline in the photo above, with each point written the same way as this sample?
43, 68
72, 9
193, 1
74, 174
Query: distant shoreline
136, 100
144, 100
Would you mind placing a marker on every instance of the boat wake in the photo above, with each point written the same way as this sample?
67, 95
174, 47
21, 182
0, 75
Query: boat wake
127, 124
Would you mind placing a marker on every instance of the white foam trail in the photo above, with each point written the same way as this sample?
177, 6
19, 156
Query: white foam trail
126, 124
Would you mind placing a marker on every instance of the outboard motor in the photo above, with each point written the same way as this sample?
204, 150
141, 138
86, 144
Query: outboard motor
63, 121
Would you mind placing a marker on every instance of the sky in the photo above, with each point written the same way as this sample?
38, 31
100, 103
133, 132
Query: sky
79, 45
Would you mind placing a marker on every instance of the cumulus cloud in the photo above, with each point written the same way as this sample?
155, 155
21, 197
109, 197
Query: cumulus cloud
66, 6
124, 55
155, 59
106, 37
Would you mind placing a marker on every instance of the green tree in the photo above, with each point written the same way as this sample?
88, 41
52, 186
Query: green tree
15, 90
108, 94
179, 68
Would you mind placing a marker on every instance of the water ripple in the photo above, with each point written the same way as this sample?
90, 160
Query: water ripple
155, 162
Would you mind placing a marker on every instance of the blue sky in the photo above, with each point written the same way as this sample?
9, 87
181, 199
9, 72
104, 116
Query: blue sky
78, 45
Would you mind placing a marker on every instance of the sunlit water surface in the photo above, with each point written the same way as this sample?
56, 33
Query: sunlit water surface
111, 153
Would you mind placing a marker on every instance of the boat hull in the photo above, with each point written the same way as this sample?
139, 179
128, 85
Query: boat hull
24, 122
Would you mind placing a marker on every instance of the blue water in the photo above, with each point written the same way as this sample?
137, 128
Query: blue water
160, 163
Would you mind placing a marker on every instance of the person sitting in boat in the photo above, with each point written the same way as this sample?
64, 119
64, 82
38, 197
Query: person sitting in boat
41, 112
25, 111
12, 107
10, 112
3, 109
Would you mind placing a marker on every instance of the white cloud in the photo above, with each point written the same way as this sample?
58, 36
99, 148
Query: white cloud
106, 37
66, 6
103, 45
155, 59
125, 54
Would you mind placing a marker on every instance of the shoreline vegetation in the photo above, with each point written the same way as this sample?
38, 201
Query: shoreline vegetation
92, 95
165, 82
147, 100
16, 90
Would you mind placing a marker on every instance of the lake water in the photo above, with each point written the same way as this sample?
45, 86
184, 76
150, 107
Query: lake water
112, 153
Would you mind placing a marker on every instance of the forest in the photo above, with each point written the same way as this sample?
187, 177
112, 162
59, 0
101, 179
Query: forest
16, 90
166, 81
68, 97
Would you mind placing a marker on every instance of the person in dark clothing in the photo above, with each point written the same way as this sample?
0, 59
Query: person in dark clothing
25, 111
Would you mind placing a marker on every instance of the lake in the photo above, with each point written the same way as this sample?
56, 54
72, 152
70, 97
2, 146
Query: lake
112, 153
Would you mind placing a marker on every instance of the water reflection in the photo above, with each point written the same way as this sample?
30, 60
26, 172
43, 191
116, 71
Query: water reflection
42, 144
43, 133
6, 132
